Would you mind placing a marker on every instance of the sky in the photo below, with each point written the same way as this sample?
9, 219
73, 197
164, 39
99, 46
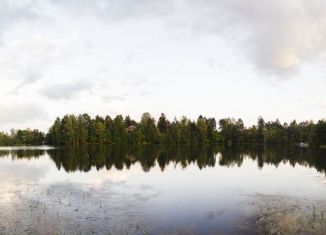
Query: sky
218, 58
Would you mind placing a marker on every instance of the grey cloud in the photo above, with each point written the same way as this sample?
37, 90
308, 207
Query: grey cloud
131, 57
111, 98
322, 105
212, 63
276, 36
117, 9
17, 112
65, 91
123, 97
88, 45
145, 93
28, 79
139, 82
28, 60
12, 12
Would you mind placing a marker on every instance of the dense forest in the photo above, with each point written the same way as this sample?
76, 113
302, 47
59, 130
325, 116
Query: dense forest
82, 129
22, 137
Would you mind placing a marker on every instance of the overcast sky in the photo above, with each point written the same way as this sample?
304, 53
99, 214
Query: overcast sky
219, 58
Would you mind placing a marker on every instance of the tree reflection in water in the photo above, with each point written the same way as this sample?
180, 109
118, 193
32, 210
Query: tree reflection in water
123, 157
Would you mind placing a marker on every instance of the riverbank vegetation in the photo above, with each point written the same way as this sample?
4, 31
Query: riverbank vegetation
22, 137
82, 129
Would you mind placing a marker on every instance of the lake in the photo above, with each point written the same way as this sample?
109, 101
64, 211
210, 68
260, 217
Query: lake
162, 190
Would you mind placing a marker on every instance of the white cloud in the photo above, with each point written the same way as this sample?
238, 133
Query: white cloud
181, 57
65, 90
23, 62
12, 12
21, 112
277, 36
110, 98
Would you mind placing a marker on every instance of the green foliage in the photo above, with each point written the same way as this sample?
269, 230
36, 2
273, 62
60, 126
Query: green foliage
22, 137
149, 129
163, 124
82, 129
318, 135
232, 130
185, 131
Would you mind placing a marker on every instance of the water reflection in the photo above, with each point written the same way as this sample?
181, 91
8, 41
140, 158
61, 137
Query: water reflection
22, 153
123, 157
163, 190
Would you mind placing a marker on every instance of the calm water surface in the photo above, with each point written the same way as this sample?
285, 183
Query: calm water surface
162, 190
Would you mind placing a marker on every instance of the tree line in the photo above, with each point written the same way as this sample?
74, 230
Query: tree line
83, 129
22, 137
